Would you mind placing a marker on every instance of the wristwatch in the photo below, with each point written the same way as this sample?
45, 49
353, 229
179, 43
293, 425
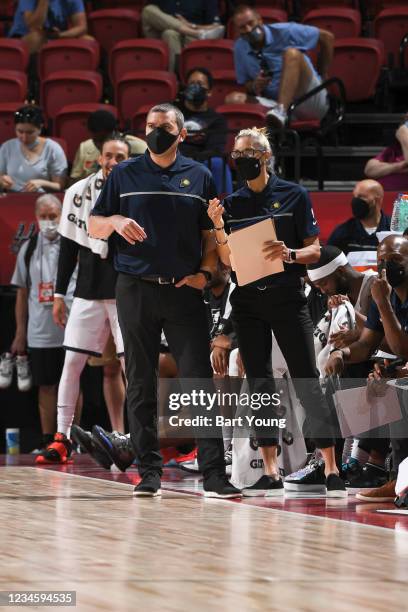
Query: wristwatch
291, 257
207, 275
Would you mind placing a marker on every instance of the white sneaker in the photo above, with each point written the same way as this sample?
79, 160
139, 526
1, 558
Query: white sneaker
212, 34
24, 380
6, 370
277, 117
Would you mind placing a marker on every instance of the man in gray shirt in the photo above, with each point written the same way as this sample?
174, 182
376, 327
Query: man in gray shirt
34, 275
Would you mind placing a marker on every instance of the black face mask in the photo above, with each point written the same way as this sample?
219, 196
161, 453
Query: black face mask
249, 168
159, 140
395, 272
255, 36
360, 208
196, 94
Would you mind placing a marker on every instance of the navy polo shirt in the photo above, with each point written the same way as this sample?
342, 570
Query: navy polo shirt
351, 235
291, 209
169, 203
400, 309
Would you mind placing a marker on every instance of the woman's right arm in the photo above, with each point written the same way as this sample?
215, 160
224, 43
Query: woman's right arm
215, 212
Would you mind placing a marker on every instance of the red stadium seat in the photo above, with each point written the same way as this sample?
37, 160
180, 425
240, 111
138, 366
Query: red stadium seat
309, 5
137, 54
71, 124
207, 54
144, 87
342, 22
68, 54
240, 116
13, 85
62, 144
357, 62
138, 124
374, 7
225, 81
269, 15
69, 87
110, 26
7, 129
13, 54
390, 26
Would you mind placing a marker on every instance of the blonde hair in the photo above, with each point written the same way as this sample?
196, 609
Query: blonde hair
260, 136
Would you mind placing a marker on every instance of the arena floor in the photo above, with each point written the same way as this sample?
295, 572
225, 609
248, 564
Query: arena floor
77, 527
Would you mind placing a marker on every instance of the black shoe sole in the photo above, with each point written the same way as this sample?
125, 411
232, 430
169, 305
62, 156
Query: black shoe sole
98, 436
85, 442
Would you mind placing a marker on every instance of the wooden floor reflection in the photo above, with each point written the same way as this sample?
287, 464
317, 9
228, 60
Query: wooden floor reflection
183, 552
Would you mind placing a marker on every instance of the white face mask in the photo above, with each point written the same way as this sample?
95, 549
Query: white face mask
48, 228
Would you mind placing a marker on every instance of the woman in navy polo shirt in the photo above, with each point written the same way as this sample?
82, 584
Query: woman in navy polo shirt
277, 302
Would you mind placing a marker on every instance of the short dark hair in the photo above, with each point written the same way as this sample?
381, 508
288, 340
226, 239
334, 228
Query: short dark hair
101, 121
241, 8
118, 137
166, 107
29, 114
204, 71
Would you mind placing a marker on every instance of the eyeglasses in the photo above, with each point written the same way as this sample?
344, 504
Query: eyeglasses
235, 154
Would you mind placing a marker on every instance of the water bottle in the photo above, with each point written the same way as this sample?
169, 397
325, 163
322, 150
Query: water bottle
12, 441
399, 219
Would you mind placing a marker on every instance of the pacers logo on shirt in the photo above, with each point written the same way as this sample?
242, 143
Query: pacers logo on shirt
184, 182
275, 205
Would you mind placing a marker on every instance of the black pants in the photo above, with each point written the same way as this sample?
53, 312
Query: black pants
284, 311
144, 309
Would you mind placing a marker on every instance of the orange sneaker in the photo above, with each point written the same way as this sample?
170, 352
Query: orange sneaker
58, 451
386, 493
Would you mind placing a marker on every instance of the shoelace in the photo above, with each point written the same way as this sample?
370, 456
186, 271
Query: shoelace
6, 366
23, 369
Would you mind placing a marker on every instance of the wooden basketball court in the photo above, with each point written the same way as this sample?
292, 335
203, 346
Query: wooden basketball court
77, 527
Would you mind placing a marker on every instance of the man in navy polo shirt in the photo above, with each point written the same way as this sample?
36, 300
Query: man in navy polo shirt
271, 61
387, 320
359, 232
155, 206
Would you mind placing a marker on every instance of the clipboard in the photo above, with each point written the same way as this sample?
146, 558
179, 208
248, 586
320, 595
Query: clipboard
247, 259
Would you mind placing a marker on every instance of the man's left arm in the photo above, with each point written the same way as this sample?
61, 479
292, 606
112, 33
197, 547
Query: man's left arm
79, 26
325, 57
208, 263
395, 336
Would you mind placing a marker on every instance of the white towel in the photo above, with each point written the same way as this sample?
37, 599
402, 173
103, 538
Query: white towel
79, 200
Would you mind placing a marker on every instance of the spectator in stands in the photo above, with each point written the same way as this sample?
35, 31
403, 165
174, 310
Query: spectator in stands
35, 275
270, 61
37, 21
359, 232
390, 167
31, 162
387, 320
101, 125
206, 129
178, 23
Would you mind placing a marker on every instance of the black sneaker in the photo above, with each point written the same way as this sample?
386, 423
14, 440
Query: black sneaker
265, 486
335, 486
220, 486
369, 476
85, 441
116, 445
310, 479
149, 486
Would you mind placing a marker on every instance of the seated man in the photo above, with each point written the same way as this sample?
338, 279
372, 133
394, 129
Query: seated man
178, 23
37, 21
270, 61
206, 129
101, 125
358, 234
390, 167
